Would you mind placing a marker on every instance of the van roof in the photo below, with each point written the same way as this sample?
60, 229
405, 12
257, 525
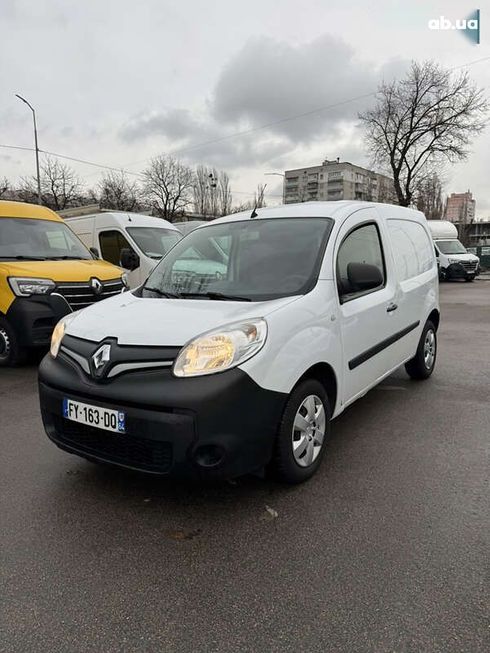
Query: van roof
335, 209
9, 209
124, 218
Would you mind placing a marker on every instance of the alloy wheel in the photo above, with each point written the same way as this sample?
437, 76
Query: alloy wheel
308, 430
429, 349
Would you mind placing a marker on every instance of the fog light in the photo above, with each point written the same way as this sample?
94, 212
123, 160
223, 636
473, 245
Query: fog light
209, 455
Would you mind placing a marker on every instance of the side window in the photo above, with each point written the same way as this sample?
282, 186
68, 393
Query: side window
111, 244
363, 245
412, 248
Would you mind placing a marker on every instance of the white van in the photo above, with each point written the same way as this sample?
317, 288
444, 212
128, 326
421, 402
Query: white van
133, 241
248, 337
454, 261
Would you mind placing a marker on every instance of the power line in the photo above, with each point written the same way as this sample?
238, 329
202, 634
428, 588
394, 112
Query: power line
289, 118
221, 138
98, 165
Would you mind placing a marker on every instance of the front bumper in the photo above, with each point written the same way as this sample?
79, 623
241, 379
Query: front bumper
34, 318
217, 426
459, 271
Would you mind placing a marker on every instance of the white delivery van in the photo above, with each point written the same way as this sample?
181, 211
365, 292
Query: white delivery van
248, 337
453, 260
133, 241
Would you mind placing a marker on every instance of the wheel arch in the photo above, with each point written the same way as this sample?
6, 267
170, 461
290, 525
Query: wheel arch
435, 317
324, 373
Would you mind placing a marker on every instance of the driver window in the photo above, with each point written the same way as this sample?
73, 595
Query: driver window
111, 244
362, 245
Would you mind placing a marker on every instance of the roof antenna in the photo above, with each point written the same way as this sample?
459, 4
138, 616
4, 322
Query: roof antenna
260, 196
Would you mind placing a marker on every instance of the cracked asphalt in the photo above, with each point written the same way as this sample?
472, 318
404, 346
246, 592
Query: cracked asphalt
384, 551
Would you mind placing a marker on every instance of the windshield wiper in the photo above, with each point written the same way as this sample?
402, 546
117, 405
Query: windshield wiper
162, 293
216, 295
24, 258
66, 257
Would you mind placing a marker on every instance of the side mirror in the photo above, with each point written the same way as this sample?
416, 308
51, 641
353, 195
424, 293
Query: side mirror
364, 276
95, 252
129, 259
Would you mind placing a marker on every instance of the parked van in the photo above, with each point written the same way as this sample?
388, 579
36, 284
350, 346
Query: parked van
454, 261
45, 273
135, 242
242, 366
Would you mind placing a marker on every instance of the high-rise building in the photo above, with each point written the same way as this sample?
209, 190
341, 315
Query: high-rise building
460, 207
337, 180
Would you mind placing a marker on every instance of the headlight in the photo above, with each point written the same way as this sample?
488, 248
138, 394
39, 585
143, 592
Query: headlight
59, 332
454, 260
221, 349
27, 286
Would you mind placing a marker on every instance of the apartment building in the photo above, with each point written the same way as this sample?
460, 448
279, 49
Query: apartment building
337, 180
460, 207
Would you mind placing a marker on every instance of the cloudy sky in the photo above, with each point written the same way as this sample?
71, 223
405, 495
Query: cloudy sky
117, 82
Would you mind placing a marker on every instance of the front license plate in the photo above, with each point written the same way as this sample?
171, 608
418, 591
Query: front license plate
101, 418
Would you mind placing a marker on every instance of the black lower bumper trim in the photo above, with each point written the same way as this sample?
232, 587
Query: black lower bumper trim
173, 426
34, 318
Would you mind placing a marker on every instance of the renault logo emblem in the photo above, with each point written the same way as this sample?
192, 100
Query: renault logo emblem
96, 286
100, 359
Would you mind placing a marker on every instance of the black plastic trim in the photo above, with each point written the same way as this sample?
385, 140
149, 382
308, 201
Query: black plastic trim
119, 355
34, 318
372, 351
228, 411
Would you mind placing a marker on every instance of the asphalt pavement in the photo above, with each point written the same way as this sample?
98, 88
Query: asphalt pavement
385, 550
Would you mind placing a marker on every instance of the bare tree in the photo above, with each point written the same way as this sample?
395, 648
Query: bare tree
211, 192
426, 119
259, 196
168, 185
225, 198
428, 197
4, 186
60, 186
257, 202
117, 192
201, 190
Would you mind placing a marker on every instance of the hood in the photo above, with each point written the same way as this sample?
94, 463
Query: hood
162, 322
62, 270
467, 256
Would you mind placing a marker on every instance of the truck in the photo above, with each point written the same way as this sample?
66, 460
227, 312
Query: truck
132, 241
453, 259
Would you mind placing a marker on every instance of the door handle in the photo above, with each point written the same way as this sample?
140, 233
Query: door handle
392, 307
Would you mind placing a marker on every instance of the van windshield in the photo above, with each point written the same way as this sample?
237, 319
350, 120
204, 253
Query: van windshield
251, 260
32, 239
154, 241
451, 247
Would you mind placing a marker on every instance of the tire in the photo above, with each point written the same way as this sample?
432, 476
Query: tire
471, 278
422, 364
289, 464
11, 353
442, 275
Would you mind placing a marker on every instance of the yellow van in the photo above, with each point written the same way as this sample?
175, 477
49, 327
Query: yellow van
45, 272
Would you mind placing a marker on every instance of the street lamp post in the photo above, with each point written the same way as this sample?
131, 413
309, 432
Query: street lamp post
279, 174
35, 145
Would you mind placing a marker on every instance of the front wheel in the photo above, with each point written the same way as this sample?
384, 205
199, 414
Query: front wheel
470, 278
302, 434
422, 364
10, 351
